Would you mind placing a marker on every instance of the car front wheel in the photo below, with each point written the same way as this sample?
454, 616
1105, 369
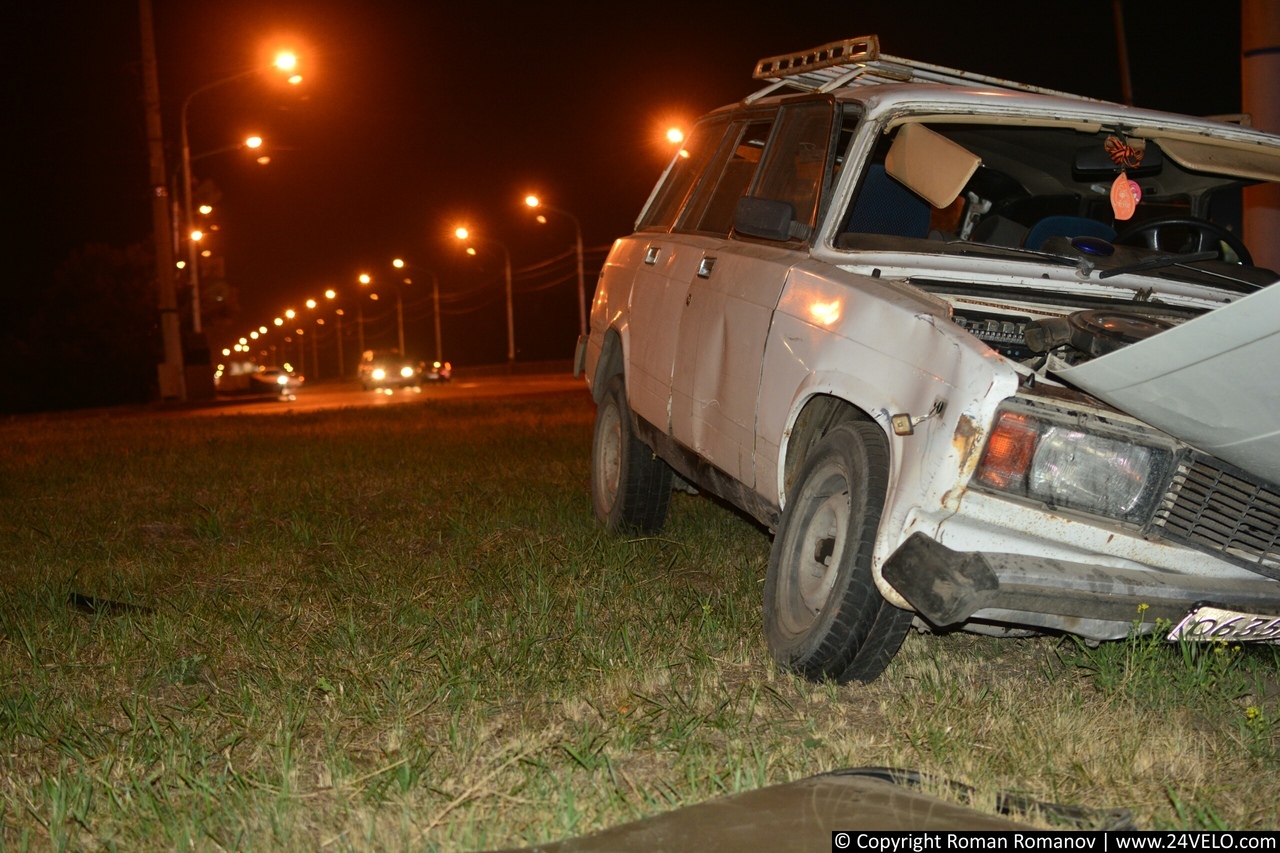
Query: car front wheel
823, 616
630, 485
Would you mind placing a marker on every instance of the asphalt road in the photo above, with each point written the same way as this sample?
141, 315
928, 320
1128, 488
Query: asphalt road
339, 395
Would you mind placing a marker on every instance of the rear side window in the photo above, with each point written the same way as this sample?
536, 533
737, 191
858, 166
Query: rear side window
692, 159
794, 171
731, 174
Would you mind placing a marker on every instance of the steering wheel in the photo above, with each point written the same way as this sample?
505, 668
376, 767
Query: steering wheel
1160, 234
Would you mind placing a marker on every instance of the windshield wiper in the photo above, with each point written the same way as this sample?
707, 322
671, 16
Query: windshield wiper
985, 250
1231, 278
1157, 263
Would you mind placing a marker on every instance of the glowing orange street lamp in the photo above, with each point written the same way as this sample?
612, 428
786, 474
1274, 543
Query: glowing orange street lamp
284, 61
400, 264
534, 202
463, 234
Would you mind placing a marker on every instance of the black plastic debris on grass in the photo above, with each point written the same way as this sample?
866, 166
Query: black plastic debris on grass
95, 606
801, 816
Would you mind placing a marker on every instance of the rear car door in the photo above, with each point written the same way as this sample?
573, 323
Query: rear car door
733, 292
663, 263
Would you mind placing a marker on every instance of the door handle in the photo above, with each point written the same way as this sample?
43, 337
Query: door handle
705, 267
651, 255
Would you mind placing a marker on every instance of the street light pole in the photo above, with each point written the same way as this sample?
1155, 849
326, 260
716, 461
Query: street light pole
398, 263
285, 62
193, 260
331, 294
435, 310
365, 278
172, 381
464, 234
535, 202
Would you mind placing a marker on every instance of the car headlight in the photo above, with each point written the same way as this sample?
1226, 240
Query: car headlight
379, 374
406, 371
282, 379
1074, 463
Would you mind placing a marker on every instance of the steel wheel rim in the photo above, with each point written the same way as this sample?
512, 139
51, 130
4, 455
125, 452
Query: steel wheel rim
816, 553
609, 455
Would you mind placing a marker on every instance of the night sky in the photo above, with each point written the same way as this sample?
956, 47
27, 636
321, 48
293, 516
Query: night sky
415, 116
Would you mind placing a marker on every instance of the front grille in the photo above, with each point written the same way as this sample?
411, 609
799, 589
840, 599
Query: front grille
1221, 510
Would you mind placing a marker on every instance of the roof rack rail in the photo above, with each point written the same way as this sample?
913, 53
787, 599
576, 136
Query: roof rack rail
859, 62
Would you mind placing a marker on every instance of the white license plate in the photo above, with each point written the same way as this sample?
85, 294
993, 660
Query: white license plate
1213, 624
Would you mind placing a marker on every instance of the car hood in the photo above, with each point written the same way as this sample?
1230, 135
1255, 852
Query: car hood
1212, 382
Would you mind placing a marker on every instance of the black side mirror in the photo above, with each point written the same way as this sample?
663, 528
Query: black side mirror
766, 218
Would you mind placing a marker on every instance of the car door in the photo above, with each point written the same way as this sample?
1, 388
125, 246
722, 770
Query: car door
662, 264
735, 288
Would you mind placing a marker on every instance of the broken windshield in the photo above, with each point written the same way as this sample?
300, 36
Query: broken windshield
1104, 202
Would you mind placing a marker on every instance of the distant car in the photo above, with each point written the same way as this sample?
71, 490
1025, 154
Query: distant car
438, 371
275, 380
388, 370
247, 379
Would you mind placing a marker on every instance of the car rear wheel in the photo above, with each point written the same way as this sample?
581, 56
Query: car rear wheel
823, 616
630, 485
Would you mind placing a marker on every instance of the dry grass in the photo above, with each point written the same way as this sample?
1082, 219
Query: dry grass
402, 628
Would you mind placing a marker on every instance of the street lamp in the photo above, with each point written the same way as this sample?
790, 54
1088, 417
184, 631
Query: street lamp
365, 278
284, 61
398, 263
464, 234
333, 294
534, 202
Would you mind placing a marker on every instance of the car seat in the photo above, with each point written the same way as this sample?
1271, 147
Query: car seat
1066, 226
885, 206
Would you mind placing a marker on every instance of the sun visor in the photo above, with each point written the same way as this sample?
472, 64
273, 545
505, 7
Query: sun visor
1254, 162
1212, 382
930, 165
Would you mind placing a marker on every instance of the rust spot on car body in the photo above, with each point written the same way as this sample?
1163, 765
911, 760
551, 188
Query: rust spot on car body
966, 440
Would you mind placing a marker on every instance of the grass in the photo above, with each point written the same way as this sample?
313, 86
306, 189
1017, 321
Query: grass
402, 628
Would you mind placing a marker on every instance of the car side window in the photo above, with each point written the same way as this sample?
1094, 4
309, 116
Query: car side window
793, 171
710, 210
703, 141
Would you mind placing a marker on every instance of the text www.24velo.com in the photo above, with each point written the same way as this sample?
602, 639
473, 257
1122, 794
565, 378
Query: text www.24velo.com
1103, 842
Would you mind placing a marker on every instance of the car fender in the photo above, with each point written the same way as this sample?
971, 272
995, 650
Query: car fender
885, 352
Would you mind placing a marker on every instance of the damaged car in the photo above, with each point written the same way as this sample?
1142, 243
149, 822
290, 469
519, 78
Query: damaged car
982, 356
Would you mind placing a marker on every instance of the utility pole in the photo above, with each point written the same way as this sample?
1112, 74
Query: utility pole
1260, 97
172, 381
1122, 52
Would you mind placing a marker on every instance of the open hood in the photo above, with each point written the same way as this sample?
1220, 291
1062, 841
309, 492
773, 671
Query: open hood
1213, 382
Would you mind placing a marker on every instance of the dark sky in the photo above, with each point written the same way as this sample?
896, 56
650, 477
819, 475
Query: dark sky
415, 116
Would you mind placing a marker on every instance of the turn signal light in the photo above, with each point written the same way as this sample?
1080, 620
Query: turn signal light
1009, 452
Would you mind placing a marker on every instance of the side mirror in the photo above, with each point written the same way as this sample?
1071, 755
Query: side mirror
766, 218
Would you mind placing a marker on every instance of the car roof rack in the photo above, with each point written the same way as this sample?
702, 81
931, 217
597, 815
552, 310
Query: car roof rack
859, 62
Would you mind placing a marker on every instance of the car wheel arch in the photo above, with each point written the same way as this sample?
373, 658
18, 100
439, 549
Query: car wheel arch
815, 415
612, 361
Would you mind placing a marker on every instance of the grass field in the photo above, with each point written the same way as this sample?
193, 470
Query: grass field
402, 628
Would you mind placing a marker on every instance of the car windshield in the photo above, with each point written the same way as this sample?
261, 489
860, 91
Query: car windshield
1049, 194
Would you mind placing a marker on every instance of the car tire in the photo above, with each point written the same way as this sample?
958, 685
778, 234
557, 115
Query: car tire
823, 616
630, 485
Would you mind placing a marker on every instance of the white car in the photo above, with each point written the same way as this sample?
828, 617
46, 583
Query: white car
983, 356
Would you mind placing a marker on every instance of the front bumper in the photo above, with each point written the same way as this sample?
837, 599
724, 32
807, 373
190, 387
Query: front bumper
951, 588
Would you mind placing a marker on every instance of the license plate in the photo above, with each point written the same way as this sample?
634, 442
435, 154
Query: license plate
1213, 624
